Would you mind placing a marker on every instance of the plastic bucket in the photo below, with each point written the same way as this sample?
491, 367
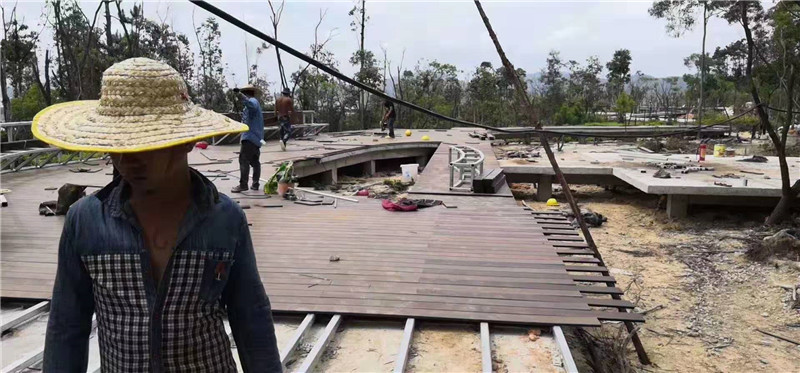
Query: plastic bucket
410, 172
719, 150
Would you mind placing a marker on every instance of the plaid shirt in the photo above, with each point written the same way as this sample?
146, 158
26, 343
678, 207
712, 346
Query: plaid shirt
103, 267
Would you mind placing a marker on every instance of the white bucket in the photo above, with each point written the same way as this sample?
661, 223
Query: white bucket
410, 172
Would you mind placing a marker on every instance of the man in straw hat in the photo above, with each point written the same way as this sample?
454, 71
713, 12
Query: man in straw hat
250, 151
158, 255
284, 108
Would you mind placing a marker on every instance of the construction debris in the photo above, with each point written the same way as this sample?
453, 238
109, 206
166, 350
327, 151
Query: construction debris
696, 169
662, 174
755, 158
719, 183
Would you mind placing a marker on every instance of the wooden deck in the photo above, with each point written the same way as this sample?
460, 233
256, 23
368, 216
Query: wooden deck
486, 260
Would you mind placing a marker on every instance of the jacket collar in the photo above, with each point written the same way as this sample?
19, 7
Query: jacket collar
116, 195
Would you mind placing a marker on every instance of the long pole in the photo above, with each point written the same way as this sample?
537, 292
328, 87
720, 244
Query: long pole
702, 72
524, 100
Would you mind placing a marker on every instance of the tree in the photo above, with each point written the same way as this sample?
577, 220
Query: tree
275, 18
619, 73
780, 66
552, 86
210, 84
584, 86
359, 22
623, 106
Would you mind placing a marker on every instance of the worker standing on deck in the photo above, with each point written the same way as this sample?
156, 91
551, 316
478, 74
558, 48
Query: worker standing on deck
284, 108
250, 152
158, 254
388, 118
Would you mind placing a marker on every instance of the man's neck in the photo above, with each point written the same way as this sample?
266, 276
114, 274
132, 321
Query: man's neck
175, 193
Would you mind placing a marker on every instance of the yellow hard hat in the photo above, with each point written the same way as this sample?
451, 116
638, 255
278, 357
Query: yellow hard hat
426, 138
552, 202
408, 132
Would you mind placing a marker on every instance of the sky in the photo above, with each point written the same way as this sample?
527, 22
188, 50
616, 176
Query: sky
446, 31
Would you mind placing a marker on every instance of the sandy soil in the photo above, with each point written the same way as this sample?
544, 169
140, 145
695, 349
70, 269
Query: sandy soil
713, 297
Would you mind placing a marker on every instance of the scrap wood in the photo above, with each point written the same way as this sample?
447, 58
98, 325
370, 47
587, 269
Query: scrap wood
696, 169
325, 194
719, 183
787, 339
751, 172
729, 176
656, 308
210, 163
210, 159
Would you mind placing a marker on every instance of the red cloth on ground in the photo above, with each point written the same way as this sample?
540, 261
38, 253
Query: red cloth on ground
403, 205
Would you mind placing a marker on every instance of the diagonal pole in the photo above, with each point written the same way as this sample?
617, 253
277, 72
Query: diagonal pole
524, 100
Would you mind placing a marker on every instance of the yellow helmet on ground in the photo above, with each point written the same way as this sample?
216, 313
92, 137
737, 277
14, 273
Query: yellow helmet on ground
408, 132
552, 202
426, 138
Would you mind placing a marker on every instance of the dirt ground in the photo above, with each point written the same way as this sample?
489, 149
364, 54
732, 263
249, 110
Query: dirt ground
706, 298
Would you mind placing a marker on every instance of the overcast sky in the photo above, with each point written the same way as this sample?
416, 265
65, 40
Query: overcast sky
447, 31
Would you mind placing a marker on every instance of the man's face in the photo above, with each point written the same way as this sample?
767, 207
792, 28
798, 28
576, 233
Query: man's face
152, 170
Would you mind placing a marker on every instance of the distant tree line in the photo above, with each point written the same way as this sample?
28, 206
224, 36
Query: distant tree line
566, 92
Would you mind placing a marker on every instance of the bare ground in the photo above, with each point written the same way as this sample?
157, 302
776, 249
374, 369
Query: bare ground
707, 298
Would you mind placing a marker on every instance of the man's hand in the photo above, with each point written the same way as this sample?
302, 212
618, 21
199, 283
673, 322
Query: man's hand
236, 90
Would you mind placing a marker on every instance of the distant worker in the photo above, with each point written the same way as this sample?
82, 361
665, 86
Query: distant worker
388, 118
284, 108
250, 152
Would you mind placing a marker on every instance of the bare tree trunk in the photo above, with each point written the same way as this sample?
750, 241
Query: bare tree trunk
109, 35
362, 95
788, 193
702, 71
6, 100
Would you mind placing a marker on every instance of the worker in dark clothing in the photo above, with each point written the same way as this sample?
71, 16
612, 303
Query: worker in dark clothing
250, 152
388, 118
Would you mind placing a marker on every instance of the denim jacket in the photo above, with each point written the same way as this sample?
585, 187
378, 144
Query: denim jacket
254, 119
104, 268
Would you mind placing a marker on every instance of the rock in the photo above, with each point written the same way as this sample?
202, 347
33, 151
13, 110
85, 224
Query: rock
764, 314
534, 334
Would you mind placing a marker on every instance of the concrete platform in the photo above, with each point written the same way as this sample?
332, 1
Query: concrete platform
614, 164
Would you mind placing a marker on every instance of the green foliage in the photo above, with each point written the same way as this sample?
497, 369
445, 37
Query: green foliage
210, 86
284, 174
25, 107
624, 105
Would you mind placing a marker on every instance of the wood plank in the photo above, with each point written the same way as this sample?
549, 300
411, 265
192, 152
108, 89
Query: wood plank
405, 346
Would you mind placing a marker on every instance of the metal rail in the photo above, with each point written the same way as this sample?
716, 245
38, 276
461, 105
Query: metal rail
468, 165
36, 158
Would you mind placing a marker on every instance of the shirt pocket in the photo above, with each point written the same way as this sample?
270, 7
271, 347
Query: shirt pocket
216, 269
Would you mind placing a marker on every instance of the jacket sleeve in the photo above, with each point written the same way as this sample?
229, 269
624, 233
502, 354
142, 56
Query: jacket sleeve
66, 347
249, 310
249, 102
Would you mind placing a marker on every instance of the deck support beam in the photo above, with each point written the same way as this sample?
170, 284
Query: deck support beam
402, 354
304, 327
319, 347
486, 348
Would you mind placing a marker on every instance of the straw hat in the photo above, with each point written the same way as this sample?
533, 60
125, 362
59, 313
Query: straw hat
250, 88
144, 105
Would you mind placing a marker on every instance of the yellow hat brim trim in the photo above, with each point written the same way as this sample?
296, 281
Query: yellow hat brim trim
88, 148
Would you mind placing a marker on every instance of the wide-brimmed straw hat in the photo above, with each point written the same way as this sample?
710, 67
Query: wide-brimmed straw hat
144, 105
250, 88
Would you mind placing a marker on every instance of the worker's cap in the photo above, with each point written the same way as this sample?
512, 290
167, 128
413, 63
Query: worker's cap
249, 88
286, 91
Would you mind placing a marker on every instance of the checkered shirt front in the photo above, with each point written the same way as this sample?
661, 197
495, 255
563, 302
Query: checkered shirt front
193, 335
122, 313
